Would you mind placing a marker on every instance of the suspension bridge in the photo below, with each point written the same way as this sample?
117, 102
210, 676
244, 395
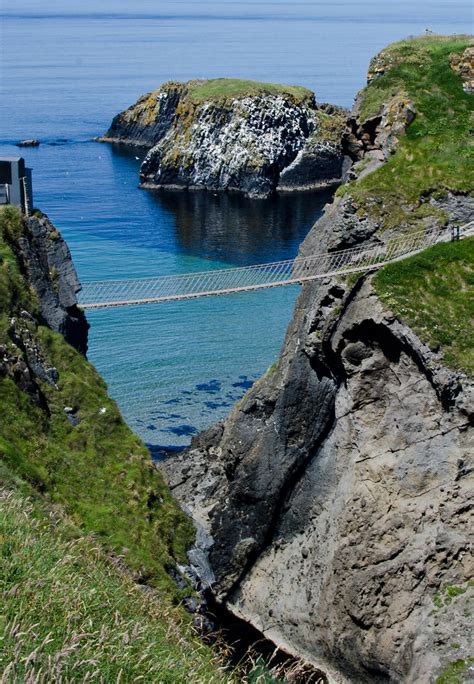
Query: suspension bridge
138, 291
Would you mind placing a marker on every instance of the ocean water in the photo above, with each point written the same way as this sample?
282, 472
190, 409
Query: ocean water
67, 67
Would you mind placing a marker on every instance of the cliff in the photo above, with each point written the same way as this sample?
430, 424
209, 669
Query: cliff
333, 503
227, 134
46, 261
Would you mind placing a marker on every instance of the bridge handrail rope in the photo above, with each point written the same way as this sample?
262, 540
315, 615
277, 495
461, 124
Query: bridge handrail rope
110, 293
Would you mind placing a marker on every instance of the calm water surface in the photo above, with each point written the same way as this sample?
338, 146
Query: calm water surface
67, 67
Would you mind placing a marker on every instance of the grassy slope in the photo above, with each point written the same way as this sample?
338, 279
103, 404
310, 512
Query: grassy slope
102, 476
436, 153
69, 614
432, 292
226, 88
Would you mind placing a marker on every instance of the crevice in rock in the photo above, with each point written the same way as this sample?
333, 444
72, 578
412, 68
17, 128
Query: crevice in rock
360, 623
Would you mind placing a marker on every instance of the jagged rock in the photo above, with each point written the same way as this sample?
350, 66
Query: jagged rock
377, 138
459, 208
339, 501
464, 66
254, 142
334, 510
50, 270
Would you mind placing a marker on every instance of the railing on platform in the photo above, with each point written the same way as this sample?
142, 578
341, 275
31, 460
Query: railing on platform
110, 293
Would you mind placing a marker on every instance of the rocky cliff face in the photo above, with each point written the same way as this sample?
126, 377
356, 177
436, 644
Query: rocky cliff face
235, 136
333, 504
47, 262
334, 500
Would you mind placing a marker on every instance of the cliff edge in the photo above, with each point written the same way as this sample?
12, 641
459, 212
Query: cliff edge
333, 504
233, 135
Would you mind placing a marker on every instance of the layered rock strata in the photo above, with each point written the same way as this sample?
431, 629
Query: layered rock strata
253, 141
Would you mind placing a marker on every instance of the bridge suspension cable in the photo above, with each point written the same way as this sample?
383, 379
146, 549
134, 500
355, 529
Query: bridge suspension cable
111, 293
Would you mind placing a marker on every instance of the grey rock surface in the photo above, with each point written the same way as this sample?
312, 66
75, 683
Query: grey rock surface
47, 262
146, 122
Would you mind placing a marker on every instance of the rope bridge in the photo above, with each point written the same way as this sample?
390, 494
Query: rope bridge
110, 293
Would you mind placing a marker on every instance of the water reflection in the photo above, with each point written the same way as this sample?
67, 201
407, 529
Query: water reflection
232, 228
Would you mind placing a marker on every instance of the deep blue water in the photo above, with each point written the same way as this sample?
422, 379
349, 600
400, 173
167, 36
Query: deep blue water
67, 67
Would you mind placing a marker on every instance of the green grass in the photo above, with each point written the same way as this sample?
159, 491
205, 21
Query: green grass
437, 152
432, 292
69, 614
454, 672
98, 470
228, 88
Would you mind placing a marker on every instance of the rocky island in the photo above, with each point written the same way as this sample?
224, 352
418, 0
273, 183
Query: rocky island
234, 135
333, 505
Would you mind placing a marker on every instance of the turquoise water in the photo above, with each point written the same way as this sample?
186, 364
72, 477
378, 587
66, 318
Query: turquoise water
67, 68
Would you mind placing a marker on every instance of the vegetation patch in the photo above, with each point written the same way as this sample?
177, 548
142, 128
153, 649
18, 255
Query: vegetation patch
454, 672
431, 293
230, 88
330, 127
437, 151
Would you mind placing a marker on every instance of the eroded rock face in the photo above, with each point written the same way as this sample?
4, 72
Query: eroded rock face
47, 262
375, 139
253, 144
334, 500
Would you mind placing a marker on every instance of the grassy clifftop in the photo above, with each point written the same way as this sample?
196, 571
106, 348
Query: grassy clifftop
230, 88
436, 154
431, 292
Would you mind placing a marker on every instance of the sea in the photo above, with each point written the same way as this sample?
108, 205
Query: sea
68, 66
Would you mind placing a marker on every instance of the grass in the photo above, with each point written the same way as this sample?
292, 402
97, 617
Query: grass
98, 469
69, 614
229, 88
450, 593
430, 292
436, 152
454, 672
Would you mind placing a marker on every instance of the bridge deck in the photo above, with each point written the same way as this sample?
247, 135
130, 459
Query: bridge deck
113, 293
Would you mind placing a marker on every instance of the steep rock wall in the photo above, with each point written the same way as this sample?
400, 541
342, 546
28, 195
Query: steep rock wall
334, 502
46, 260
